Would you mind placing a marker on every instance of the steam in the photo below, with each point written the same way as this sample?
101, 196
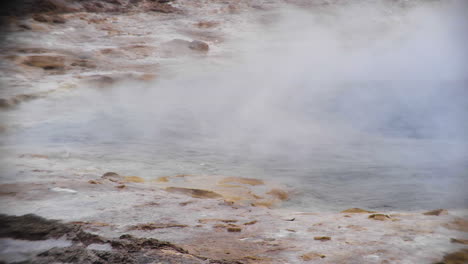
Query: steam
354, 92
336, 73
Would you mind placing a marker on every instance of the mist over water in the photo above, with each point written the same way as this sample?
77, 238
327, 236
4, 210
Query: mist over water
354, 105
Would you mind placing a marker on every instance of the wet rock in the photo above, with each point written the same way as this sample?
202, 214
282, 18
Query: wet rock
380, 217
112, 176
248, 181
280, 194
83, 63
77, 254
199, 46
46, 62
33, 227
153, 226
459, 257
32, 26
163, 7
195, 193
95, 7
322, 238
356, 211
14, 101
234, 229
93, 182
93, 224
437, 212
129, 242
251, 222
125, 250
210, 220
53, 6
265, 203
5, 103
312, 256
207, 24
459, 241
44, 18
33, 50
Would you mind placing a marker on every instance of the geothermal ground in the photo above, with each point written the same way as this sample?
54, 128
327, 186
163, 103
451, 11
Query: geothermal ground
66, 200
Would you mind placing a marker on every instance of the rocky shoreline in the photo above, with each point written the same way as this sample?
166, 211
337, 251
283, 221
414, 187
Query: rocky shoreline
52, 47
123, 219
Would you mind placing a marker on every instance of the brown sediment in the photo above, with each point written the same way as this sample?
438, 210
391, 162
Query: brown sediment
311, 256
357, 211
162, 179
94, 182
46, 62
459, 224
133, 179
251, 222
234, 229
248, 181
265, 203
280, 194
195, 193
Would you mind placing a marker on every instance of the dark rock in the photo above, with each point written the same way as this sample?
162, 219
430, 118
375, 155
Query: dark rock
164, 8
322, 238
437, 212
234, 229
33, 227
125, 250
14, 101
380, 217
46, 62
49, 18
459, 257
84, 63
153, 226
459, 241
77, 254
112, 176
199, 46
